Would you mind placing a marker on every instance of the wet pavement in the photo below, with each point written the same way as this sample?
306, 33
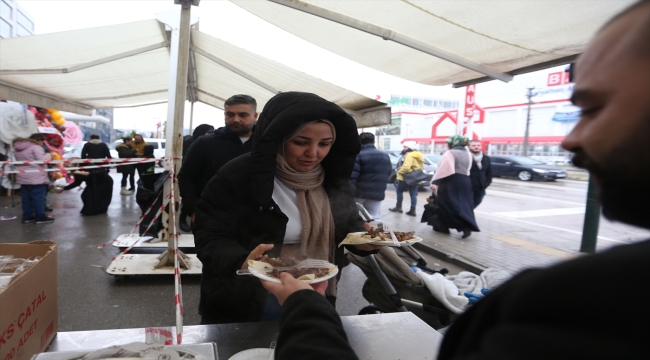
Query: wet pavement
88, 297
522, 224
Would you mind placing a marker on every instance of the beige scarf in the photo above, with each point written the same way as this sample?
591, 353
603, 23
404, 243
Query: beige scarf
317, 237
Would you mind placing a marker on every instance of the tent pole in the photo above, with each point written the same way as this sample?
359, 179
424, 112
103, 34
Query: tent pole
178, 67
191, 116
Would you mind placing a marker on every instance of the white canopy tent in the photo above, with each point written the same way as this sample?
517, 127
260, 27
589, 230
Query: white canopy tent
444, 42
128, 64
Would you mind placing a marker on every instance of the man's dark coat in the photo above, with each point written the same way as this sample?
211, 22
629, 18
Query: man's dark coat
205, 157
481, 178
370, 174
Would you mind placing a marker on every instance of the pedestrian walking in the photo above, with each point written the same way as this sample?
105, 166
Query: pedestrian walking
481, 172
453, 188
95, 149
188, 140
208, 154
126, 151
412, 160
138, 146
370, 175
146, 167
33, 185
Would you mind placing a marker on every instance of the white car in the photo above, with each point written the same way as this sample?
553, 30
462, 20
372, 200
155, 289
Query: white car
158, 148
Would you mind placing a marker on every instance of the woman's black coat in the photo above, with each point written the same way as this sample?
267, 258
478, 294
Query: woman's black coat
236, 211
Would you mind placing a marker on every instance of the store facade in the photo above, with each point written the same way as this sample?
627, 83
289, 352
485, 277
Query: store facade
499, 121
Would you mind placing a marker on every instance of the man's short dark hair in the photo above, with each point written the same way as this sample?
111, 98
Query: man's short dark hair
643, 39
94, 136
242, 99
37, 137
125, 139
138, 135
471, 141
366, 138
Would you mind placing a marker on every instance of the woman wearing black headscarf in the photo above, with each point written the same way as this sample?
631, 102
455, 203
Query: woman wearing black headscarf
98, 193
290, 196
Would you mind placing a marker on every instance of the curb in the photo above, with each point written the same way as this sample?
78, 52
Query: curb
467, 264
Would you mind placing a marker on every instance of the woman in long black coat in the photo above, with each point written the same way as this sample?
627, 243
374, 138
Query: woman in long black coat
246, 209
453, 188
98, 193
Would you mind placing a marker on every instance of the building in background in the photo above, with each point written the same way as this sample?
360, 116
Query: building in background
113, 133
499, 119
14, 20
92, 125
410, 119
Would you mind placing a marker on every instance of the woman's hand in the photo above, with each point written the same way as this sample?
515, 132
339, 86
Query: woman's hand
290, 285
434, 188
256, 253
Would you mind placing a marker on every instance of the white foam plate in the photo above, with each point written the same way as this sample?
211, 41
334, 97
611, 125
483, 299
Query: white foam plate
253, 354
265, 276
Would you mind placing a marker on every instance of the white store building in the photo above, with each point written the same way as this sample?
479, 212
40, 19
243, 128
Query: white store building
499, 120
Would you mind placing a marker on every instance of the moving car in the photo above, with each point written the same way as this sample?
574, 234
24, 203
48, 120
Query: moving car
524, 168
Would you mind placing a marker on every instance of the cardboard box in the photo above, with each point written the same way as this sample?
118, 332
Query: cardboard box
28, 305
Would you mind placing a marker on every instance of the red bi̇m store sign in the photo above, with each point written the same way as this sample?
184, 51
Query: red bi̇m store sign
470, 100
558, 78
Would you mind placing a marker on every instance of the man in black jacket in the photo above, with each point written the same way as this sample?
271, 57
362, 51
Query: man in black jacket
370, 175
586, 308
95, 149
481, 172
188, 140
209, 153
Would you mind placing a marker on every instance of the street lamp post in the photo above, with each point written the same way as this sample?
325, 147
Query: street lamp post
529, 95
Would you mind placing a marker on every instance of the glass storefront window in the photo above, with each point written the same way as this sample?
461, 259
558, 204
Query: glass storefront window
24, 21
21, 31
6, 10
5, 29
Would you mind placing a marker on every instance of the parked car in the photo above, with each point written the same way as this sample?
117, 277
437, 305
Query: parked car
433, 158
430, 168
394, 153
158, 148
73, 151
524, 168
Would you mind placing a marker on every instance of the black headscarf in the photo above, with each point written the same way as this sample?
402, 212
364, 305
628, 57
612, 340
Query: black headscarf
281, 116
201, 130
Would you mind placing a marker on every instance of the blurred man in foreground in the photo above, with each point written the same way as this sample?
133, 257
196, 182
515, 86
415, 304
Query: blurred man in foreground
587, 308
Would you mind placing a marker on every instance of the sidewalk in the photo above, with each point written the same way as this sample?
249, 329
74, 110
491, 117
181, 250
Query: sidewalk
495, 246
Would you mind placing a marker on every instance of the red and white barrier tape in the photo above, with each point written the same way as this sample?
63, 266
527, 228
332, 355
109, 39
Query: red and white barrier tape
153, 221
41, 170
83, 161
135, 227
